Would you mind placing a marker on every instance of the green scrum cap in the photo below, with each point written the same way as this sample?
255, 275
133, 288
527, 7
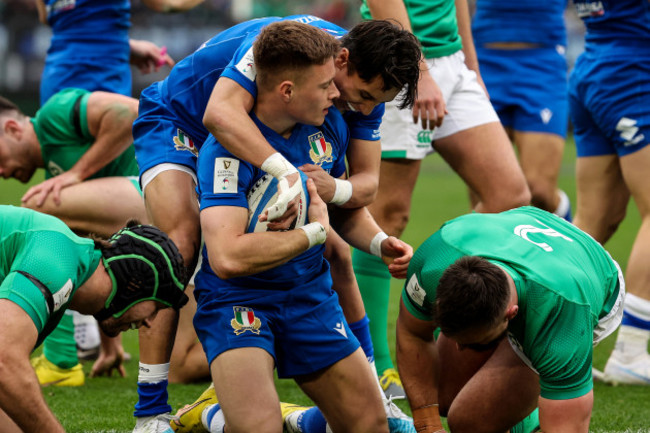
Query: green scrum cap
144, 264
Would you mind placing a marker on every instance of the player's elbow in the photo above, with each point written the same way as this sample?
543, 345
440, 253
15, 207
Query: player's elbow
215, 118
225, 267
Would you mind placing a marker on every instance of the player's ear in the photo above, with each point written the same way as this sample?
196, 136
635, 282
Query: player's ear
512, 311
286, 90
341, 59
12, 128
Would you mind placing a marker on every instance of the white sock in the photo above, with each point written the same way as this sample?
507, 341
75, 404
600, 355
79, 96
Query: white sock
153, 373
217, 423
630, 343
564, 205
86, 331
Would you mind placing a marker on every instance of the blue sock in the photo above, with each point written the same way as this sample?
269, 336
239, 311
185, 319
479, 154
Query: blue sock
361, 330
312, 421
633, 321
152, 399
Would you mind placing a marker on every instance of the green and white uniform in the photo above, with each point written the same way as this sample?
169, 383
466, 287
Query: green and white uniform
61, 126
40, 253
566, 284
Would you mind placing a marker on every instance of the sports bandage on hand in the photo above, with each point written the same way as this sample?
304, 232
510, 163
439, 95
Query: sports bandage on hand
427, 419
278, 167
375, 244
342, 193
315, 232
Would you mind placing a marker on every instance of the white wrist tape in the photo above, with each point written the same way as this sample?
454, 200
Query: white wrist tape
342, 193
375, 244
278, 166
315, 233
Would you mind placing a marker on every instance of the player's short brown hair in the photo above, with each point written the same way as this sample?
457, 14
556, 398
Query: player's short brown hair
290, 46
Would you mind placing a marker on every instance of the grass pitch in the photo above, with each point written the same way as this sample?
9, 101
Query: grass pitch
106, 404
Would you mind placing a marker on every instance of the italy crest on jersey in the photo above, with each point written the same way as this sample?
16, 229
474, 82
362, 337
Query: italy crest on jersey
182, 141
245, 320
321, 150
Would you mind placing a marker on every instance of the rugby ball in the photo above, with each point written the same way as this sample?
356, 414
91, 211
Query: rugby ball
264, 193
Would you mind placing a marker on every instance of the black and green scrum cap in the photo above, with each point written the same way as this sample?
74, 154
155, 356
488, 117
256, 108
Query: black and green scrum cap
144, 264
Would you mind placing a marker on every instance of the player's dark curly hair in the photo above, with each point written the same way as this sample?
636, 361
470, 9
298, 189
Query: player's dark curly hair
384, 48
472, 293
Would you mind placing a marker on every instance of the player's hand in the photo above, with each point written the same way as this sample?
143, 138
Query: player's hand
285, 208
317, 211
397, 255
109, 361
51, 186
429, 107
324, 181
149, 57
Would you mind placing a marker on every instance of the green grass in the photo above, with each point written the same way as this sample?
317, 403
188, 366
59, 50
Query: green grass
106, 404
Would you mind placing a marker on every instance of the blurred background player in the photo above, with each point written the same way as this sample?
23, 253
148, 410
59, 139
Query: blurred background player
521, 298
612, 133
295, 83
46, 269
521, 49
167, 148
83, 140
457, 120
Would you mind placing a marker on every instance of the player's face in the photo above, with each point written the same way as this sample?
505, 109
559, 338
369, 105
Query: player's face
360, 95
141, 314
314, 94
482, 339
15, 160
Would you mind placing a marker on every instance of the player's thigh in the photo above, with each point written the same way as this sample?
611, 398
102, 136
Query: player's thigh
500, 392
602, 195
393, 203
347, 394
635, 173
172, 205
484, 158
243, 381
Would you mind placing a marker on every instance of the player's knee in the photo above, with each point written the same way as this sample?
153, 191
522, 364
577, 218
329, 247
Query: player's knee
262, 420
395, 221
543, 195
506, 199
373, 422
460, 421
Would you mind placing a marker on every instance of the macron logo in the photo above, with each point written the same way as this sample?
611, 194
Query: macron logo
341, 329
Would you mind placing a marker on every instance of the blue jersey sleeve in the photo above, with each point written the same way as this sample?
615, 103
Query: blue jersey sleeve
241, 68
223, 180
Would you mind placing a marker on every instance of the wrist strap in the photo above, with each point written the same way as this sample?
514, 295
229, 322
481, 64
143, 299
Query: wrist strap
315, 232
375, 244
342, 193
278, 166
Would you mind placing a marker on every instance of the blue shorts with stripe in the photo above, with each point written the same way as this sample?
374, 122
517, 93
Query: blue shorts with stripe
608, 99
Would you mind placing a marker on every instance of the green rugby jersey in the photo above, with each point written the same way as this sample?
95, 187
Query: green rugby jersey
39, 252
434, 23
565, 282
61, 126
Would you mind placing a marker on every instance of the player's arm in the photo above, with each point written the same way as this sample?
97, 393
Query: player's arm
358, 228
416, 358
566, 416
20, 393
250, 253
170, 6
360, 189
429, 107
465, 32
226, 117
109, 117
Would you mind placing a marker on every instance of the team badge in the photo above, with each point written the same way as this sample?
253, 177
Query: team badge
184, 142
321, 150
245, 320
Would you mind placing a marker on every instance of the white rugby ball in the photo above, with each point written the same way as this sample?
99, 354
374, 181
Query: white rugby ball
264, 194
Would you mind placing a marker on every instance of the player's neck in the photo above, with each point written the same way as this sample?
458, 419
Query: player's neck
91, 296
34, 145
276, 119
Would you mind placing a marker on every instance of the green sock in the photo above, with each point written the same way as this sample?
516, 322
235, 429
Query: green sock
60, 347
374, 283
529, 424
